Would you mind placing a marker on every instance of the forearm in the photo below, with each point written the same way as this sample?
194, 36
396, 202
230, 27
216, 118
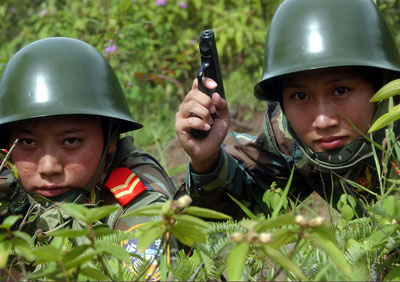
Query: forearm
210, 190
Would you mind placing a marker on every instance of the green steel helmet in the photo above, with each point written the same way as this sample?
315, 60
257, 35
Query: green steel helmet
62, 76
312, 34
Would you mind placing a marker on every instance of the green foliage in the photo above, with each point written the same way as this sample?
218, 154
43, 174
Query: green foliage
284, 247
154, 52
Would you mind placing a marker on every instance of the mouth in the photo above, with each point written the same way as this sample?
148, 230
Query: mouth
51, 191
331, 143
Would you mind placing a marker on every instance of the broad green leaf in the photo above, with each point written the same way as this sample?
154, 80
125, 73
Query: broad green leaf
70, 233
114, 250
207, 213
5, 249
24, 236
393, 275
149, 237
236, 260
182, 237
187, 235
22, 248
391, 205
324, 240
75, 252
271, 223
151, 210
385, 119
79, 261
347, 212
47, 253
142, 229
285, 262
388, 90
187, 229
195, 221
75, 210
58, 242
93, 273
98, 213
10, 221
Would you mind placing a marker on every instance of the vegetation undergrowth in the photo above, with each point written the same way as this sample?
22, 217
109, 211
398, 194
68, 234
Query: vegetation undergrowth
155, 57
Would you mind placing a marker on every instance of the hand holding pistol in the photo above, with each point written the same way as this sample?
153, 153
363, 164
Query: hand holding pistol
209, 68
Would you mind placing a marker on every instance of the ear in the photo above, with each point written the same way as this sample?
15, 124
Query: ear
113, 147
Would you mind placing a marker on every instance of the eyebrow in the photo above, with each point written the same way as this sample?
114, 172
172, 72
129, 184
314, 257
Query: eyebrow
337, 78
68, 131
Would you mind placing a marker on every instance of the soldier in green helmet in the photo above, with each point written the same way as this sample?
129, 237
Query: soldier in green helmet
62, 101
324, 60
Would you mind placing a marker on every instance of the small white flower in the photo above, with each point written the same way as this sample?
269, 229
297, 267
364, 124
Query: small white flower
184, 201
265, 237
300, 220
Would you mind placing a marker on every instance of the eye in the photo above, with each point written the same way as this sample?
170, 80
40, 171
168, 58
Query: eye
26, 141
341, 90
71, 141
300, 96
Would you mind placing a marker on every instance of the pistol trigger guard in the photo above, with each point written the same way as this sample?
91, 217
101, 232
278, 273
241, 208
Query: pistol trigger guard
200, 73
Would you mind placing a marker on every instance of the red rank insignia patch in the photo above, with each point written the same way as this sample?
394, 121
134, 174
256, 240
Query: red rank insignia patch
124, 184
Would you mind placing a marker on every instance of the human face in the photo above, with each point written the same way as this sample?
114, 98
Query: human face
318, 102
56, 154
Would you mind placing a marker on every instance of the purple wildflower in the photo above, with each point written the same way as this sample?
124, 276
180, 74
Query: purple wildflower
43, 13
112, 48
160, 2
183, 5
13, 10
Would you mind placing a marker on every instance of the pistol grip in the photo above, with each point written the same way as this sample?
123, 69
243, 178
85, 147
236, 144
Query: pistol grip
199, 134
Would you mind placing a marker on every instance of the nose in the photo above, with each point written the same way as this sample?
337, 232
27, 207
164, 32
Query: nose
325, 116
49, 165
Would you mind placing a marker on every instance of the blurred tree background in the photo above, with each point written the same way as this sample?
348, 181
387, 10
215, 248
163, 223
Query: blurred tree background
153, 47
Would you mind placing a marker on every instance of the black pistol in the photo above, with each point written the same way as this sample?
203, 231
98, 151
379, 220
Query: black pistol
209, 68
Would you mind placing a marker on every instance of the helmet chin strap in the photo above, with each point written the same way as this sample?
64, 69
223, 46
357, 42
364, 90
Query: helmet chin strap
342, 159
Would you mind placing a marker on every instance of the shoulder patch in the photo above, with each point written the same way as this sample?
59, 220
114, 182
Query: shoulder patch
124, 185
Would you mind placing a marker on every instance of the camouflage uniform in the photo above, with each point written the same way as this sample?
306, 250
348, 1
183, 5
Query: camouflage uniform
60, 76
248, 165
158, 187
304, 35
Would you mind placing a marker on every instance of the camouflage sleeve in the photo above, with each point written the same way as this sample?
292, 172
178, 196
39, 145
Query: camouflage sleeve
159, 188
246, 168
